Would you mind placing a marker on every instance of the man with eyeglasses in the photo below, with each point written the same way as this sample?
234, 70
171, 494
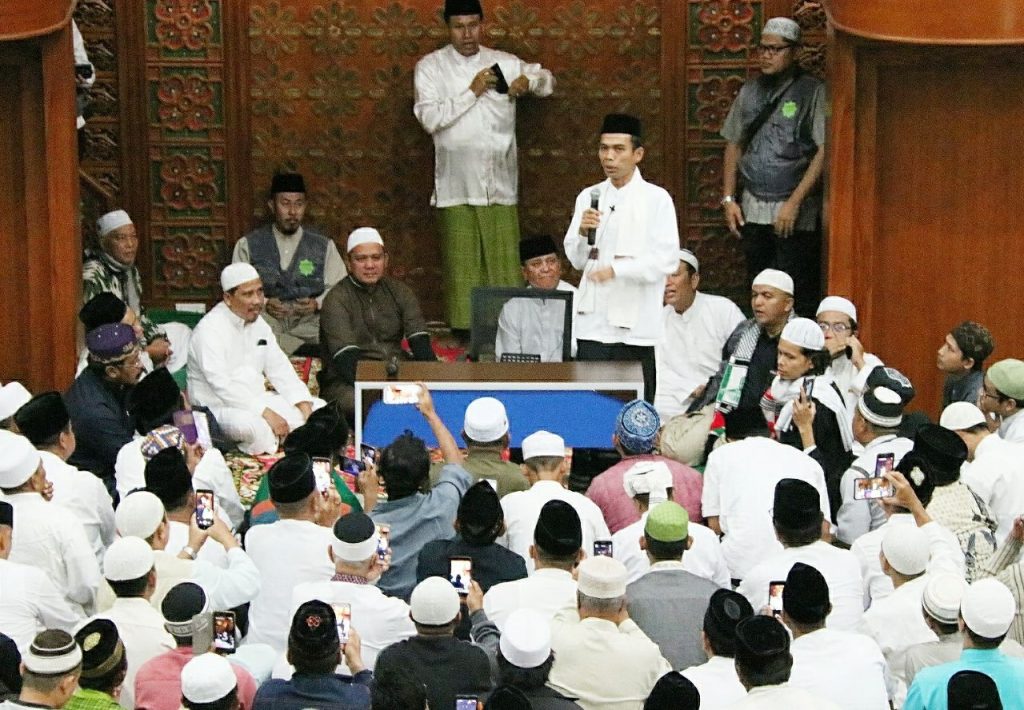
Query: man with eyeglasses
775, 134
850, 366
1002, 398
97, 400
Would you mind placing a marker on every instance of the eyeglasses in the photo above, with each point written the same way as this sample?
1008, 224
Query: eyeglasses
773, 49
983, 394
837, 328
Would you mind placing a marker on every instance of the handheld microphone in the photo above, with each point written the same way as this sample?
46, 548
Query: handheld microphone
595, 198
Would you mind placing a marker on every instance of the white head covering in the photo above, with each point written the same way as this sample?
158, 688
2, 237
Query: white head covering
485, 420
961, 415
602, 577
526, 640
690, 258
237, 274
543, 443
18, 459
126, 559
53, 659
988, 608
13, 396
782, 27
942, 596
906, 549
650, 477
805, 333
434, 602
111, 221
776, 279
839, 304
363, 235
139, 515
207, 678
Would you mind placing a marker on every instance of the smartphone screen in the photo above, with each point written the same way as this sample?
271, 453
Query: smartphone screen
186, 424
809, 386
873, 488
402, 394
603, 547
465, 702
383, 541
202, 430
224, 631
775, 597
352, 466
343, 617
884, 463
368, 454
322, 472
460, 573
204, 508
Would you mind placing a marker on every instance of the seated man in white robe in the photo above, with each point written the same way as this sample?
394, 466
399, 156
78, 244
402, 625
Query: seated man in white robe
233, 351
696, 327
531, 325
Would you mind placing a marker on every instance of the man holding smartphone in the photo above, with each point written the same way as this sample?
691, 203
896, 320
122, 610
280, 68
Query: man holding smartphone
462, 102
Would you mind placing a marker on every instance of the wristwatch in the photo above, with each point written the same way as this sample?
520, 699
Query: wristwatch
727, 199
189, 551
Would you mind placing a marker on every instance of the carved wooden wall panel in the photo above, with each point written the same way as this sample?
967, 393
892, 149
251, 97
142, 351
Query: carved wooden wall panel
227, 92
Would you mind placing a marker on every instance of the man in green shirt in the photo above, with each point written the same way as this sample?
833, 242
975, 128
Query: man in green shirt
104, 666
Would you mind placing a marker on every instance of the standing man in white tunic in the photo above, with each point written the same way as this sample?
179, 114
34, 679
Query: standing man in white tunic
626, 247
696, 328
465, 98
232, 352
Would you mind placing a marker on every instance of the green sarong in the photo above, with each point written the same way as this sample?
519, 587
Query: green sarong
480, 247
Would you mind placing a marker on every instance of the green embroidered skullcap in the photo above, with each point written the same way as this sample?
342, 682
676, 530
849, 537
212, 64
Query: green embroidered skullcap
667, 522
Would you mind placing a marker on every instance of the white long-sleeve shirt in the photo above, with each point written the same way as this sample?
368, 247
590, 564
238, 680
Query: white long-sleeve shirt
547, 590
48, 536
212, 473
638, 287
30, 603
846, 668
742, 500
228, 359
717, 683
475, 154
704, 558
84, 494
690, 349
522, 509
141, 628
997, 475
535, 326
857, 517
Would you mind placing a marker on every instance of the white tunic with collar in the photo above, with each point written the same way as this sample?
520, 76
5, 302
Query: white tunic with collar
704, 558
48, 536
640, 240
547, 591
717, 683
690, 349
997, 475
535, 326
782, 697
1012, 428
475, 154
84, 494
844, 667
141, 628
742, 495
30, 603
522, 509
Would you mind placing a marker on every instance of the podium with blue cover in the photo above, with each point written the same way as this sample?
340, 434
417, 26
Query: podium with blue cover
576, 400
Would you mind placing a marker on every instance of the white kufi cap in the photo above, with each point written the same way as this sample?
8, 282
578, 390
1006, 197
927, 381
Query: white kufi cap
690, 258
207, 678
961, 415
363, 235
126, 559
838, 304
906, 549
804, 333
485, 420
543, 443
139, 515
18, 459
650, 477
111, 221
237, 274
13, 396
602, 577
776, 279
988, 608
526, 639
942, 596
434, 602
782, 27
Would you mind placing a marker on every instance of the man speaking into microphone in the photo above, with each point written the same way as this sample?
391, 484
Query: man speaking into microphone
626, 246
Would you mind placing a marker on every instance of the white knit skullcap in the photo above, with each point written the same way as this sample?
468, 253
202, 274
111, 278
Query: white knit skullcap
838, 304
139, 515
988, 608
434, 602
782, 27
690, 258
18, 459
543, 443
942, 596
776, 279
485, 420
126, 559
236, 274
961, 415
602, 577
111, 221
207, 678
363, 235
526, 639
805, 333
13, 396
906, 549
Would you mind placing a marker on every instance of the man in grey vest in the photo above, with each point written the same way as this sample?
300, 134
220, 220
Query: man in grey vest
775, 134
296, 265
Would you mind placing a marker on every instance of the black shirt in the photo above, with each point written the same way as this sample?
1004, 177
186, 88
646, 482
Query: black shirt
445, 665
